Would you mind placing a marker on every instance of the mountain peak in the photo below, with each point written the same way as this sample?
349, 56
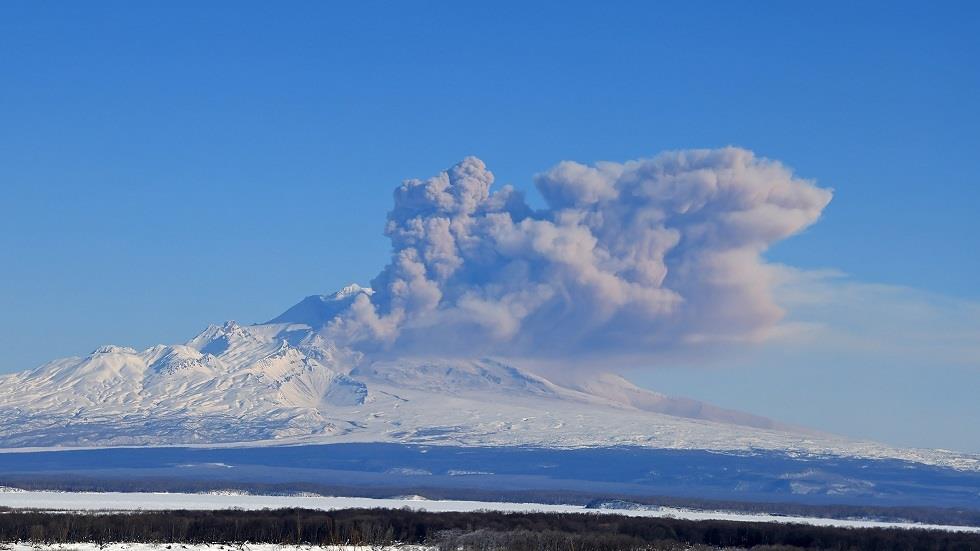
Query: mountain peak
113, 349
350, 291
315, 311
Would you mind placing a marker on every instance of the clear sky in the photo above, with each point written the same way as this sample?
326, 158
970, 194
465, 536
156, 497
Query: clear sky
168, 165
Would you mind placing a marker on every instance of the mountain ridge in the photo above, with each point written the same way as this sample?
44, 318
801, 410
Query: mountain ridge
283, 382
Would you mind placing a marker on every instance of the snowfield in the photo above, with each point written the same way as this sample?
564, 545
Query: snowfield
25, 546
113, 501
282, 383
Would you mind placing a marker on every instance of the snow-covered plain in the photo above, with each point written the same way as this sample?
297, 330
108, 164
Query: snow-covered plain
282, 383
113, 501
30, 546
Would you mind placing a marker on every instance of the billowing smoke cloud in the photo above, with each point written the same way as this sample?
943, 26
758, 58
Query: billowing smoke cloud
627, 258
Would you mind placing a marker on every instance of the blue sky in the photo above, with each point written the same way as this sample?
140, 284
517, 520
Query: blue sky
168, 165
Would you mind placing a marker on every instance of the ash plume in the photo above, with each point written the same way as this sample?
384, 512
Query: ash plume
627, 259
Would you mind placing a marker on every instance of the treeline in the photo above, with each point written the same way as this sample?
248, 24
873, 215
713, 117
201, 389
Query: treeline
78, 483
468, 531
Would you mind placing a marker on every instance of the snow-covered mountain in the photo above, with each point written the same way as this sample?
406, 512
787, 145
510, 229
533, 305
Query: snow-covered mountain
282, 382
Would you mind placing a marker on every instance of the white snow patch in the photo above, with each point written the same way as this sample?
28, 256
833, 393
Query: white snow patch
116, 501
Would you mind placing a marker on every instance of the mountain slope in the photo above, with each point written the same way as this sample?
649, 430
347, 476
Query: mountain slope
282, 382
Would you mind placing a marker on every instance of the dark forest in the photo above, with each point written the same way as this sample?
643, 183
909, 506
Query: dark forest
476, 531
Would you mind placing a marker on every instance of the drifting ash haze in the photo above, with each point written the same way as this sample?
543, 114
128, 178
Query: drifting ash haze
628, 260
